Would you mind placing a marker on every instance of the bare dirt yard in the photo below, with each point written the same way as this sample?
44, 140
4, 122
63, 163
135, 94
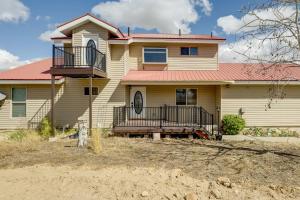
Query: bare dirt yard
143, 169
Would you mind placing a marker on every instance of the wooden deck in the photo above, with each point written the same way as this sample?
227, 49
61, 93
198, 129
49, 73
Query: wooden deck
154, 126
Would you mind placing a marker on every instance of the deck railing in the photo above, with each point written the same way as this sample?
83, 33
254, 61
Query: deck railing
78, 56
164, 116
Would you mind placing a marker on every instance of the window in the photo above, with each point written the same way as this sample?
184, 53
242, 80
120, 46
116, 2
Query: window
19, 102
155, 55
189, 51
94, 91
186, 97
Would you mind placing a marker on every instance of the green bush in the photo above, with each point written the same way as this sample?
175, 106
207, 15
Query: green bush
233, 124
18, 135
45, 128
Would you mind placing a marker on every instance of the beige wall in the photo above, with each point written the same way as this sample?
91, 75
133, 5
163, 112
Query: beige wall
207, 57
284, 112
161, 95
36, 96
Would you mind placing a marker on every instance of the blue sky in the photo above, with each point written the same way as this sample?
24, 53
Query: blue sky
20, 37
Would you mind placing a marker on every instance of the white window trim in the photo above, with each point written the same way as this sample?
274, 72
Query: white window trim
11, 103
186, 97
189, 52
154, 63
92, 91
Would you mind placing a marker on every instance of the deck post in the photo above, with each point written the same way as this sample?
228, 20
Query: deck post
52, 105
90, 104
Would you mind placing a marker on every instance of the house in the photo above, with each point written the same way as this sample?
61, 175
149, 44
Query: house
141, 82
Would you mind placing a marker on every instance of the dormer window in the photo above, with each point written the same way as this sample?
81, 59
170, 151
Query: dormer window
189, 51
153, 55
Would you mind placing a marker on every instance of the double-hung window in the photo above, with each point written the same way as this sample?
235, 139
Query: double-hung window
189, 51
155, 55
186, 97
19, 102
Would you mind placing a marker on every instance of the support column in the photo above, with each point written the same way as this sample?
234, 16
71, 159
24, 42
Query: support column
52, 105
91, 105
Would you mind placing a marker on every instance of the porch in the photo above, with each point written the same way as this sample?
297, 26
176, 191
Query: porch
164, 119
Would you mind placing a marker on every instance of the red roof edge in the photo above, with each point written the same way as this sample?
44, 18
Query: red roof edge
91, 15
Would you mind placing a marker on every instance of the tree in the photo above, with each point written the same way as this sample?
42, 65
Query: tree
273, 29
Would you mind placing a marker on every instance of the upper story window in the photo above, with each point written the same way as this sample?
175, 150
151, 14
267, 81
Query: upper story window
19, 102
189, 51
155, 55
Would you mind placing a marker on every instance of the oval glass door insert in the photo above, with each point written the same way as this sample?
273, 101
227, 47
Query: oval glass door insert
138, 102
91, 53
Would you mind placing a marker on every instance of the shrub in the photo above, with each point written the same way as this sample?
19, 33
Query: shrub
233, 124
45, 128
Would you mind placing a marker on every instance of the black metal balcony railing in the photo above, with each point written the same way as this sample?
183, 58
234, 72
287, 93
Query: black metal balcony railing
77, 56
165, 116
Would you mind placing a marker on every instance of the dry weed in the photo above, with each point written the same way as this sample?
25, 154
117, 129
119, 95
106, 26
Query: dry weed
96, 140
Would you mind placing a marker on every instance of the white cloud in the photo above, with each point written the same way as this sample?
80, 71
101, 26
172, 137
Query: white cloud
231, 24
164, 16
9, 61
47, 35
13, 11
258, 50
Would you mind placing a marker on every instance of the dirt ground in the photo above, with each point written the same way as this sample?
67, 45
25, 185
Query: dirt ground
143, 169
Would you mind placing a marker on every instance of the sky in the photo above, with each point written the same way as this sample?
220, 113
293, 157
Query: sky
27, 25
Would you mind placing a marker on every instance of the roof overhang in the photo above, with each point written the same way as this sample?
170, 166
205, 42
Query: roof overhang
166, 40
64, 40
67, 27
31, 82
176, 82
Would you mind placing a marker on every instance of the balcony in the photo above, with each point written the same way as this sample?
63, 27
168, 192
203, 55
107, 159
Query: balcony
78, 61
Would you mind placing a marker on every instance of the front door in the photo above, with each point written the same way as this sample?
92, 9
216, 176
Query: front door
137, 102
89, 43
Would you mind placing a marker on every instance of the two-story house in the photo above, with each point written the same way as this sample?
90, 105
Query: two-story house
140, 82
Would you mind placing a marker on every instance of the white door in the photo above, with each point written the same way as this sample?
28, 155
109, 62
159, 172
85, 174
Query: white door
137, 102
89, 43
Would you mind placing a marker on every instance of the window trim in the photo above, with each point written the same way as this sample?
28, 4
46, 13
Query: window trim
92, 91
153, 63
190, 51
186, 97
20, 102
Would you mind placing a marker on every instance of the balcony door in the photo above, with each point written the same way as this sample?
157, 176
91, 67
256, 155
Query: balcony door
137, 102
90, 44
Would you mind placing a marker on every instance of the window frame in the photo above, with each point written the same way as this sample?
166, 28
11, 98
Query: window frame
167, 55
190, 55
18, 102
89, 91
186, 96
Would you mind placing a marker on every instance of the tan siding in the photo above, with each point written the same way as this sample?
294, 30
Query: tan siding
36, 97
207, 57
161, 95
284, 112
91, 28
74, 104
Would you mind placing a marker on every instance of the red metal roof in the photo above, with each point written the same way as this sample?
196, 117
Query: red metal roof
173, 36
39, 70
89, 14
226, 72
